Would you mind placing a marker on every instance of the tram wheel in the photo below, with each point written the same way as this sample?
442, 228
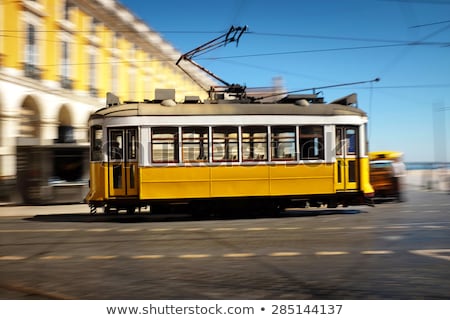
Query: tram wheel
332, 204
108, 209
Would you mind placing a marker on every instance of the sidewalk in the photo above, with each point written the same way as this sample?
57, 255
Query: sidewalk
432, 180
26, 211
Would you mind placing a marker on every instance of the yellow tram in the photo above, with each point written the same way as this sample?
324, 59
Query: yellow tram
296, 152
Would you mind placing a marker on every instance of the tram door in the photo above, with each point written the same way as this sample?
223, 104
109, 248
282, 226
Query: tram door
123, 162
347, 158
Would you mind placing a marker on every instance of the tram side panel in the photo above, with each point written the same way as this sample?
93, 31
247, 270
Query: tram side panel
302, 179
98, 183
244, 181
165, 182
203, 182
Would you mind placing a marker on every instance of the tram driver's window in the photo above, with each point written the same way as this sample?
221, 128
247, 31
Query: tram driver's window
225, 144
195, 144
254, 143
283, 143
311, 143
96, 143
165, 145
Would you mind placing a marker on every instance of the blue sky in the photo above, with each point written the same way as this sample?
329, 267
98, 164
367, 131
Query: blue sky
406, 43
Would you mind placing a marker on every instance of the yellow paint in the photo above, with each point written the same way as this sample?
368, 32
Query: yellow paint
385, 155
235, 181
174, 182
98, 181
366, 187
12, 41
195, 182
150, 71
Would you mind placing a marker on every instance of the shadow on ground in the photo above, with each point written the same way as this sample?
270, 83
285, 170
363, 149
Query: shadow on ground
181, 216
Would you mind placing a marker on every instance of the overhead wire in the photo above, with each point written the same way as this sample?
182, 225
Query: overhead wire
388, 43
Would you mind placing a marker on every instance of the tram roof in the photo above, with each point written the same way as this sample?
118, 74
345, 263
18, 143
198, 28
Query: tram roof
198, 109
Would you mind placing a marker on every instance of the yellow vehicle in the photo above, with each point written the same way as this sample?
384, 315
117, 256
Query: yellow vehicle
386, 171
296, 152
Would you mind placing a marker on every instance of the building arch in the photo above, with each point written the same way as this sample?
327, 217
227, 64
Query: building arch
65, 116
65, 125
30, 118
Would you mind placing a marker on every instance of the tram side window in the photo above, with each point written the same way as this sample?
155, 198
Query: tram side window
96, 143
339, 144
311, 143
132, 144
225, 144
254, 143
195, 144
283, 143
165, 145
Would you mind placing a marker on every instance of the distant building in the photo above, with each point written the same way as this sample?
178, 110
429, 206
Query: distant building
58, 59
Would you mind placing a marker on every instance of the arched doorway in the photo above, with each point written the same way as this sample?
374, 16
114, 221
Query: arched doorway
30, 119
65, 127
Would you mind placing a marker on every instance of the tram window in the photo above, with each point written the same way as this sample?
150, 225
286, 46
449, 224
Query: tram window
283, 143
339, 144
165, 145
366, 149
311, 143
96, 143
195, 144
254, 143
132, 144
225, 144
351, 141
116, 145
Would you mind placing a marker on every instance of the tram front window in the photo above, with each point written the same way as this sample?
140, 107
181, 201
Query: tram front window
96, 143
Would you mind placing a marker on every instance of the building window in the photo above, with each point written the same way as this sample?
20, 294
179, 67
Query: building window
132, 52
114, 37
225, 144
114, 75
93, 92
94, 24
164, 143
67, 7
132, 73
31, 54
66, 82
195, 144
283, 143
311, 143
254, 144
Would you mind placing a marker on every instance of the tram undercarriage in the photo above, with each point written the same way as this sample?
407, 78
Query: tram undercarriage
228, 206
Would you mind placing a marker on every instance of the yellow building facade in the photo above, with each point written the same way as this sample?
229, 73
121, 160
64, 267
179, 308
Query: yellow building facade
58, 59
